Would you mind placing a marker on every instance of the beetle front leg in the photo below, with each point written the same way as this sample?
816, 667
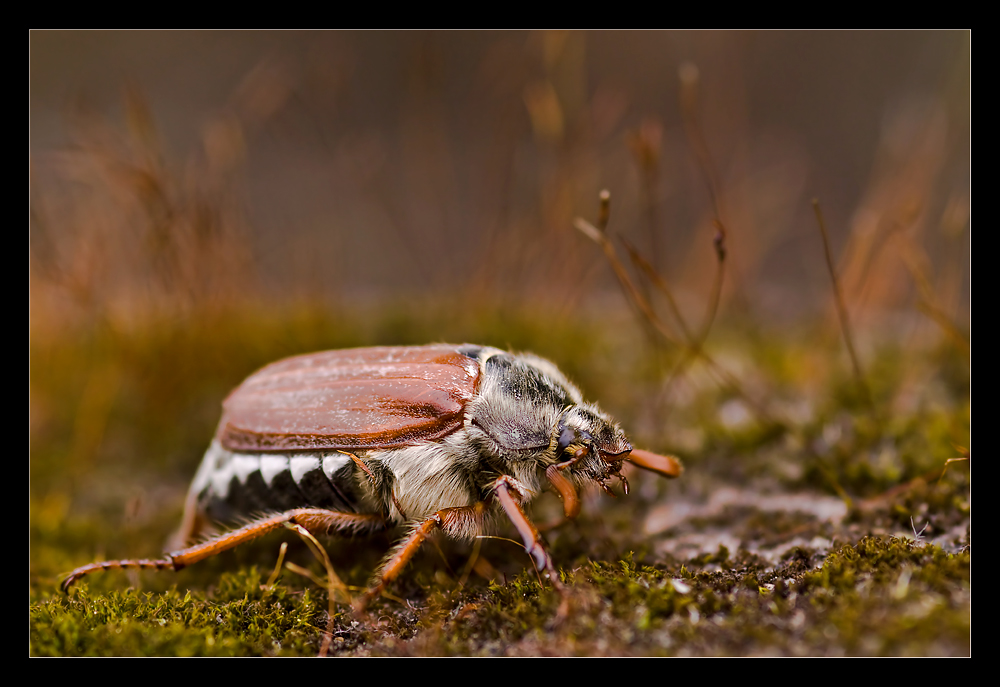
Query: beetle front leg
567, 492
529, 534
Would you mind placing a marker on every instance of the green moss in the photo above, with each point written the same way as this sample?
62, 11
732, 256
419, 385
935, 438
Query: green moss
240, 618
119, 421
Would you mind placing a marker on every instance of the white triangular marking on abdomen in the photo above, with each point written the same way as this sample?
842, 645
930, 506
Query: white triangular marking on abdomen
301, 466
271, 467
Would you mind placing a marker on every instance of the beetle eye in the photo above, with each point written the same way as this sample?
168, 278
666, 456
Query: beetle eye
565, 439
570, 435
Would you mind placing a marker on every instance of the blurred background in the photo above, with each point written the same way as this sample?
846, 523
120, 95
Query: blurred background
358, 167
202, 203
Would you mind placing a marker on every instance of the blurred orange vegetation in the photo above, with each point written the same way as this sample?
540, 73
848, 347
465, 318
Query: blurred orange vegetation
387, 168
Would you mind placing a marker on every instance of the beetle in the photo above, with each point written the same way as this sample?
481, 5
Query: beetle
439, 437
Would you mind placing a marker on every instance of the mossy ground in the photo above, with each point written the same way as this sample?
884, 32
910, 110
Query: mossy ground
828, 531
453, 193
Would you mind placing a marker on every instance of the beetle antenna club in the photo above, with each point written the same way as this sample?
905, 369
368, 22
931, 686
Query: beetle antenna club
438, 438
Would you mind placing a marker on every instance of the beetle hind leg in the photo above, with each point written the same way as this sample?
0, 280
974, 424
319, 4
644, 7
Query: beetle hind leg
141, 564
316, 520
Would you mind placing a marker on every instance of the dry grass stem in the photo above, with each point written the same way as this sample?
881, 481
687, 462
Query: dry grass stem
845, 325
690, 78
632, 293
277, 566
693, 346
334, 585
657, 280
926, 304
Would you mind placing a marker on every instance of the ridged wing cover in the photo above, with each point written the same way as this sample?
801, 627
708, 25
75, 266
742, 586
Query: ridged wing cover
360, 398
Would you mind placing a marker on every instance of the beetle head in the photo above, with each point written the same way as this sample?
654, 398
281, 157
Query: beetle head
594, 445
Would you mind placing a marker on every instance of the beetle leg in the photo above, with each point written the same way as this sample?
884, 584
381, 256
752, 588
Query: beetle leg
624, 482
375, 483
529, 533
459, 522
566, 490
192, 524
142, 564
316, 520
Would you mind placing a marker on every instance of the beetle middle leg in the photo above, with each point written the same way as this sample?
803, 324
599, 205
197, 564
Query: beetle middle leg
463, 521
457, 522
316, 520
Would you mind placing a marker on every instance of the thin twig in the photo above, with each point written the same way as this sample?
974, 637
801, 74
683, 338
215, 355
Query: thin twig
471, 564
660, 283
333, 582
695, 346
927, 306
632, 294
935, 475
645, 146
950, 328
507, 539
604, 210
965, 457
719, 242
641, 304
845, 325
277, 566
690, 79
306, 573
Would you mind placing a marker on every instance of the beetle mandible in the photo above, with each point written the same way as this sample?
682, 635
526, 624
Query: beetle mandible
439, 437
